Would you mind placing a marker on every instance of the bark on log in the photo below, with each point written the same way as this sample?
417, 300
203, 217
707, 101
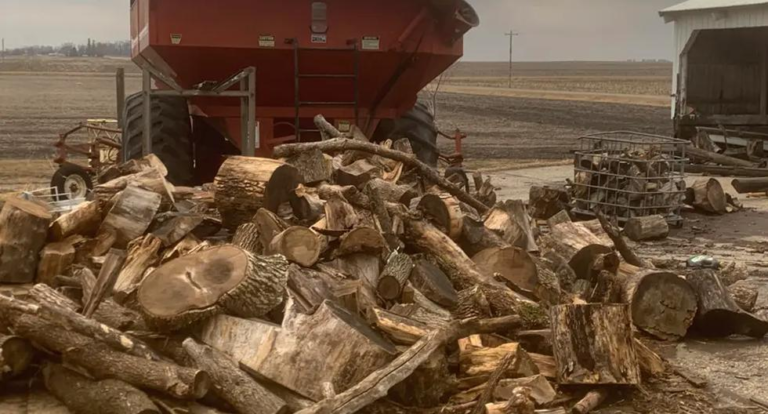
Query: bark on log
23, 231
433, 283
593, 344
707, 195
750, 185
248, 238
577, 245
83, 220
705, 155
299, 245
357, 174
646, 228
130, 217
341, 145
445, 212
390, 192
475, 237
55, 259
720, 171
246, 184
142, 254
15, 356
221, 279
231, 384
513, 264
362, 240
394, 277
85, 396
718, 314
546, 202
512, 222
662, 303
313, 166
484, 361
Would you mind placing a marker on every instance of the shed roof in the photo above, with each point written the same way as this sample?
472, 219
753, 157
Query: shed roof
698, 5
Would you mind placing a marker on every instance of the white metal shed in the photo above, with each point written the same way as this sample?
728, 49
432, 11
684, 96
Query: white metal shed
720, 65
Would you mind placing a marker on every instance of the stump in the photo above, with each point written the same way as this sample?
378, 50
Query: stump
662, 303
445, 212
200, 285
646, 228
577, 245
23, 231
83, 220
246, 184
299, 245
593, 344
515, 265
15, 356
707, 195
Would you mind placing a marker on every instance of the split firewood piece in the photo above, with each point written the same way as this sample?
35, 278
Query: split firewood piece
340, 145
433, 283
84, 220
651, 364
130, 217
363, 267
142, 254
86, 396
395, 276
149, 162
486, 395
514, 265
310, 288
511, 220
718, 314
484, 361
221, 279
357, 174
542, 392
520, 402
400, 329
102, 362
427, 386
662, 303
186, 246
177, 227
561, 217
362, 240
306, 204
231, 384
707, 194
339, 215
592, 400
646, 228
105, 282
246, 184
348, 194
335, 334
475, 237
55, 259
545, 202
299, 245
577, 245
445, 212
593, 344
23, 232
15, 356
268, 226
150, 180
313, 166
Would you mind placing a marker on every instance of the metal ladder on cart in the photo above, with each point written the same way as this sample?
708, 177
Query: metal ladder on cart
298, 76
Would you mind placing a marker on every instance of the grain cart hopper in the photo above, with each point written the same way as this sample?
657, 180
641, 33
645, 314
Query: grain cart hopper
243, 76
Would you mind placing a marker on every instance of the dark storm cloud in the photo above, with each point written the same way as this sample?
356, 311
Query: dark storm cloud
549, 29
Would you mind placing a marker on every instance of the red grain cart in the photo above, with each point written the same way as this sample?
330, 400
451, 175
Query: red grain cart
243, 76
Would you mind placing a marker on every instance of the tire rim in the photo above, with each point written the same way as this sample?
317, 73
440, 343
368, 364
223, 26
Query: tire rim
75, 187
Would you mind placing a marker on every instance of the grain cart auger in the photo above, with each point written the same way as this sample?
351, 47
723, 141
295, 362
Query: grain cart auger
243, 76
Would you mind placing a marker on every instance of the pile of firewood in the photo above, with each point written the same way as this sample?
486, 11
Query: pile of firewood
346, 276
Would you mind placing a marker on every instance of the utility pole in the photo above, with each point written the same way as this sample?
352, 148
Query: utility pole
511, 35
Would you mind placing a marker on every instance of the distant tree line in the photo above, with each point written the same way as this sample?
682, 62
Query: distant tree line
91, 48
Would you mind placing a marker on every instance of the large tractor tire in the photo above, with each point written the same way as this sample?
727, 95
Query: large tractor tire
171, 135
418, 125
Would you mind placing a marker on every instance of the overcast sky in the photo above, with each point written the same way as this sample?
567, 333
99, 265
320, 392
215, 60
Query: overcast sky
549, 29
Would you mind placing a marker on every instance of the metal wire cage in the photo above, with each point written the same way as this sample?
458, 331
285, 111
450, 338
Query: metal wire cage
629, 174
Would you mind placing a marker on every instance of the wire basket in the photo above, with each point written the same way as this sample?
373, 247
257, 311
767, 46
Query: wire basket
628, 174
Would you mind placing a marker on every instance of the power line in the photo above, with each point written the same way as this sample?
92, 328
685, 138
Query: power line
511, 36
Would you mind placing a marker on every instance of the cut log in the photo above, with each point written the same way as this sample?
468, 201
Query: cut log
86, 396
646, 228
515, 265
662, 303
55, 259
84, 220
512, 222
362, 240
150, 180
340, 215
133, 167
23, 231
313, 166
246, 184
718, 314
593, 344
247, 238
707, 195
130, 217
484, 361
177, 227
343, 350
701, 154
720, 171
306, 204
592, 400
269, 225
231, 384
390, 192
200, 285
433, 283
475, 237
577, 245
394, 277
445, 212
357, 174
299, 245
142, 254
750, 185
545, 202
15, 356
401, 330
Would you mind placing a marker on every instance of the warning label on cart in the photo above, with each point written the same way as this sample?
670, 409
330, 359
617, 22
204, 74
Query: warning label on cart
266, 41
176, 38
319, 38
371, 43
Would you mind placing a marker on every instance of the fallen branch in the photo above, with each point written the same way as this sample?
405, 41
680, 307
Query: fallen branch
618, 240
340, 145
